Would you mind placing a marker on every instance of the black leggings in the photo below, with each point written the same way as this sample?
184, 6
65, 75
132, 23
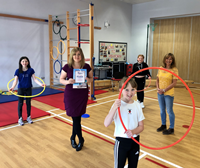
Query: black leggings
76, 130
27, 92
126, 148
140, 86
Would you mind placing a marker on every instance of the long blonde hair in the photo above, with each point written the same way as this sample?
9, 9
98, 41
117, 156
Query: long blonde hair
73, 52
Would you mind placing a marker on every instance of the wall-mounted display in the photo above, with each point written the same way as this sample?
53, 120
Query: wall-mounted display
112, 52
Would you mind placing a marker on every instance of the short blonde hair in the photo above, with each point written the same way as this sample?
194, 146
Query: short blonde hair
140, 55
131, 81
73, 52
173, 64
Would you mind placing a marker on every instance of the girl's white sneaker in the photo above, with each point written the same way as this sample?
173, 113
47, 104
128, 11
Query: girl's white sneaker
29, 120
20, 121
142, 105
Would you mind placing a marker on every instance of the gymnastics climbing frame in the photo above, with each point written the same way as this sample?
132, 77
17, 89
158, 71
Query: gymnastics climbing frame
91, 41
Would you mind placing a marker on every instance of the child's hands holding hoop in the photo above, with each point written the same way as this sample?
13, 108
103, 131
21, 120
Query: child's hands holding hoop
43, 85
117, 103
129, 133
11, 89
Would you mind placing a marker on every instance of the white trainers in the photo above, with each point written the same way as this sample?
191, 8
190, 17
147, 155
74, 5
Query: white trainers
142, 105
29, 120
20, 121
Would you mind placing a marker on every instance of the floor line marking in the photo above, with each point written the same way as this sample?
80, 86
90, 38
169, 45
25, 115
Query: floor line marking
143, 155
159, 164
114, 140
118, 94
58, 115
189, 106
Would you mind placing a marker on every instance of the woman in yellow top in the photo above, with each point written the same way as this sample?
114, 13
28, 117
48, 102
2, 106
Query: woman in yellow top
165, 87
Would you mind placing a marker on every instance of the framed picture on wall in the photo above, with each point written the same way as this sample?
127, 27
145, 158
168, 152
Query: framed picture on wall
112, 52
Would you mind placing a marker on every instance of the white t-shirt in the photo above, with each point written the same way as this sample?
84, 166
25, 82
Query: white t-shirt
131, 115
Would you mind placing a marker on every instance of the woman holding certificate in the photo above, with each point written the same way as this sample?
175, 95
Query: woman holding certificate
75, 75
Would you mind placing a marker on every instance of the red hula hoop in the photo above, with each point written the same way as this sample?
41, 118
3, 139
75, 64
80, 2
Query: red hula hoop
192, 103
146, 87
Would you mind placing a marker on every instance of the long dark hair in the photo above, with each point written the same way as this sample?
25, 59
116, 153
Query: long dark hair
20, 65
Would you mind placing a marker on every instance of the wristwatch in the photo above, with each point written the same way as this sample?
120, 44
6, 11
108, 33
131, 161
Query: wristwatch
164, 90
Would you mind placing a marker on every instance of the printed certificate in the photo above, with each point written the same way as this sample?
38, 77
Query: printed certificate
79, 76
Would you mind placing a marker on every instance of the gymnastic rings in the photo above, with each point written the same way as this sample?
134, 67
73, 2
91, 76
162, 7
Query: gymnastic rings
146, 87
58, 52
54, 65
60, 27
60, 33
27, 96
58, 24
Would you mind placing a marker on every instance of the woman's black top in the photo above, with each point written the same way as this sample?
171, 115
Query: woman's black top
137, 67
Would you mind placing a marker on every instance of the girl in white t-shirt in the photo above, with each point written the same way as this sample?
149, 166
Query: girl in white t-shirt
132, 116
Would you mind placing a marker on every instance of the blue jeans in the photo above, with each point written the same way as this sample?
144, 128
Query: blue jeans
166, 102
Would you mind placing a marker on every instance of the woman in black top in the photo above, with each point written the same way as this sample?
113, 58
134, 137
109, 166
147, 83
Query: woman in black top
140, 77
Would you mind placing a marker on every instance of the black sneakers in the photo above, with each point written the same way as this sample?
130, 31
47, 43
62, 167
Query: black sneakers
162, 128
165, 132
168, 132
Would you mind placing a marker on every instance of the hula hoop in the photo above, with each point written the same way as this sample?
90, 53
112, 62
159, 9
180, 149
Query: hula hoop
64, 47
60, 32
145, 88
55, 68
27, 96
51, 53
192, 103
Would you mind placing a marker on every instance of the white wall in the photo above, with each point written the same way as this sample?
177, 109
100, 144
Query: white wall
30, 38
142, 13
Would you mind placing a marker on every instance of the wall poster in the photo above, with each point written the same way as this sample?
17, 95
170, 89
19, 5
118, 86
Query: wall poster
112, 52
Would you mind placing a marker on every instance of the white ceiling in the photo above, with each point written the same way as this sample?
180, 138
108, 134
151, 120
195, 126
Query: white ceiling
125, 1
135, 1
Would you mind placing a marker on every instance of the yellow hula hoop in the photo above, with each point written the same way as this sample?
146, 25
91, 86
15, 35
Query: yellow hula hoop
51, 52
58, 47
27, 96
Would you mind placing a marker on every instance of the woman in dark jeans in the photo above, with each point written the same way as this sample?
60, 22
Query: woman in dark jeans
140, 77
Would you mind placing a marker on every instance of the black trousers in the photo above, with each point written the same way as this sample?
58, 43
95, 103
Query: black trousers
126, 148
26, 92
76, 129
140, 86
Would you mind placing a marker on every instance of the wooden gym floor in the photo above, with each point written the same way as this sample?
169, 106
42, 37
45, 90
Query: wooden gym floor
45, 143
